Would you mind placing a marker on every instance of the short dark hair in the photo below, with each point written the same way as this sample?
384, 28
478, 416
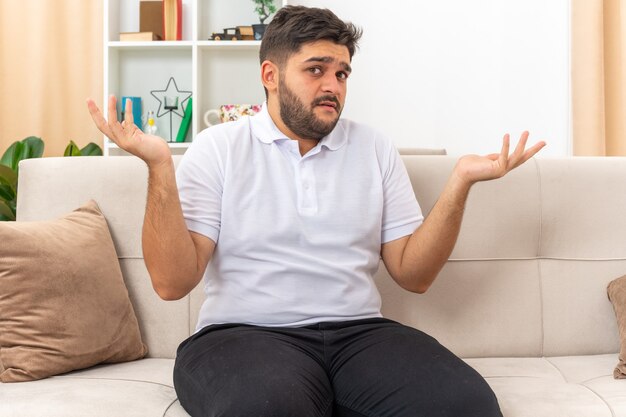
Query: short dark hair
294, 26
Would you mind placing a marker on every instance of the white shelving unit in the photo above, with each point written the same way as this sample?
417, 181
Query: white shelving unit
216, 72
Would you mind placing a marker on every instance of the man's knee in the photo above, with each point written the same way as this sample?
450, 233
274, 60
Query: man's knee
473, 397
239, 374
270, 401
271, 396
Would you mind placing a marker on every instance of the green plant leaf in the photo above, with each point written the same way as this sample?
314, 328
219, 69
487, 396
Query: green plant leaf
8, 176
7, 193
5, 212
30, 147
7, 156
35, 147
11, 155
72, 149
23, 153
91, 149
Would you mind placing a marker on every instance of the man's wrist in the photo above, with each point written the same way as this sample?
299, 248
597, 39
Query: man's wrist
458, 182
160, 166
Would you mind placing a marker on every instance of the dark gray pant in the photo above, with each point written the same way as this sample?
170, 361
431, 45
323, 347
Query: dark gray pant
371, 367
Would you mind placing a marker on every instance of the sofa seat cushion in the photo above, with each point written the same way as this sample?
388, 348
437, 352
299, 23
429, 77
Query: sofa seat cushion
139, 388
572, 386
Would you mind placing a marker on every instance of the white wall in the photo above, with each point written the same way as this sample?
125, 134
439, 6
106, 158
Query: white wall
459, 74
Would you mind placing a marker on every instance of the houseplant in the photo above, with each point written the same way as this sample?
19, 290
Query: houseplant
30, 147
264, 8
91, 149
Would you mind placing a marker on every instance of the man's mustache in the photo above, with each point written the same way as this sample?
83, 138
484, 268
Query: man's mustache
322, 99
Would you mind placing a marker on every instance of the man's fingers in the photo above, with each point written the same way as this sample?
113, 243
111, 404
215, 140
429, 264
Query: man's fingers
116, 133
505, 145
517, 157
114, 125
120, 133
97, 117
521, 145
128, 114
504, 153
112, 109
530, 152
521, 154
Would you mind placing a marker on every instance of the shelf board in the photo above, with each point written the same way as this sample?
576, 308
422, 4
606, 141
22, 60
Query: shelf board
156, 45
229, 44
151, 45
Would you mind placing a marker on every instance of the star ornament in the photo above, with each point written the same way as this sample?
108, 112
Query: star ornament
171, 91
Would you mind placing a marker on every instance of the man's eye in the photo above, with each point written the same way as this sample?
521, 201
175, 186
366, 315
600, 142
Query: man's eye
315, 70
342, 75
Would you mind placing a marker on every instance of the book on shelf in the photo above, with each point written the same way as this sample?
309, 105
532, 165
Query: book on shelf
151, 17
172, 20
138, 36
186, 122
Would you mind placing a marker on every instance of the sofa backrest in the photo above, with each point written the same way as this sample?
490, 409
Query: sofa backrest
51, 187
528, 275
529, 272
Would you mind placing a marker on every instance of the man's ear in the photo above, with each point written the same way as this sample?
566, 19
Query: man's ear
269, 75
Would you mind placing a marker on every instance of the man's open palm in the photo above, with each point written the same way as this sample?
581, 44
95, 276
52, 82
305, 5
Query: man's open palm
474, 168
152, 149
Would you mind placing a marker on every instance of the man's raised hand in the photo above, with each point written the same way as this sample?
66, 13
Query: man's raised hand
473, 168
152, 149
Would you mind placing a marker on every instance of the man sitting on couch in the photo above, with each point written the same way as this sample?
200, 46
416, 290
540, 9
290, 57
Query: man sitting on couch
286, 215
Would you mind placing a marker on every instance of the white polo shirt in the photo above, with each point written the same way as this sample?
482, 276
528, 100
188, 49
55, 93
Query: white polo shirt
298, 237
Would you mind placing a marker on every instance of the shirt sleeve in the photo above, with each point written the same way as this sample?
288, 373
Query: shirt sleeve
200, 181
401, 211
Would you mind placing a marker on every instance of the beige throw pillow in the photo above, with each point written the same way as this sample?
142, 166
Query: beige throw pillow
63, 302
616, 291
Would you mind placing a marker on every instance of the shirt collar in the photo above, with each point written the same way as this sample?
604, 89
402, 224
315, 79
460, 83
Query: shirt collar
265, 130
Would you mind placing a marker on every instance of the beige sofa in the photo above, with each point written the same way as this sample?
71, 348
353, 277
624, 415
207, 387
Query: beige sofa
523, 297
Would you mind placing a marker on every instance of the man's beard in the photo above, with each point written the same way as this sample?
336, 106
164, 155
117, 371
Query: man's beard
302, 121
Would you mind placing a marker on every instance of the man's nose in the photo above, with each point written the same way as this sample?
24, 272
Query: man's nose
330, 83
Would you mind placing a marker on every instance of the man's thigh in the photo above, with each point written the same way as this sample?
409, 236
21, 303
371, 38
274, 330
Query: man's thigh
249, 371
383, 368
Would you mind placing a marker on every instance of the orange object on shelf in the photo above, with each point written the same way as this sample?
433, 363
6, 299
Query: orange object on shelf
173, 20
